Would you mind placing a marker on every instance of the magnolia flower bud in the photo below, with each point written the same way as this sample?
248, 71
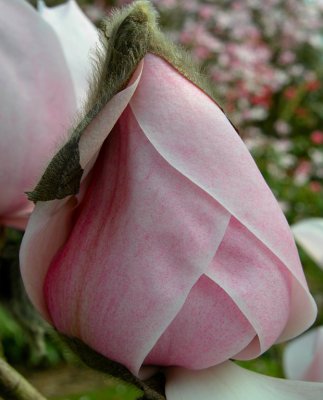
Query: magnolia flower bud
155, 240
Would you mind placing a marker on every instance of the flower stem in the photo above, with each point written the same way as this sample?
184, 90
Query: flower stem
13, 386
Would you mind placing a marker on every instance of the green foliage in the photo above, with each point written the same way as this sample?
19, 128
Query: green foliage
19, 347
118, 392
12, 337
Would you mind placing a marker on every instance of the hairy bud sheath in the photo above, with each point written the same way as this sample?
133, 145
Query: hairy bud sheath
127, 36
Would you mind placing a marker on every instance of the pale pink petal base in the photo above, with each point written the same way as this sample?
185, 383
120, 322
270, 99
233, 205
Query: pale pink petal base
228, 381
309, 235
303, 357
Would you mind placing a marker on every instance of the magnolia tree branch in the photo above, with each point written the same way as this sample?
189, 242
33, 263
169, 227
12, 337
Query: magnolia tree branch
153, 388
13, 386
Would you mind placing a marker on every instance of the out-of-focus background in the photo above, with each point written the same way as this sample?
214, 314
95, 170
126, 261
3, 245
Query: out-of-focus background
265, 61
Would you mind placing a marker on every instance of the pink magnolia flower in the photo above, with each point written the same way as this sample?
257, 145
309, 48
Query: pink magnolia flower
174, 251
37, 98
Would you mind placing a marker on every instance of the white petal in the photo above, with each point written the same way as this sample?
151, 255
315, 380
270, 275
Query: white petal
48, 228
309, 235
79, 39
303, 357
228, 381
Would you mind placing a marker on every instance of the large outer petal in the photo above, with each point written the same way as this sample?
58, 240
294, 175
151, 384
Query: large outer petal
230, 382
303, 357
79, 39
37, 103
309, 235
143, 236
194, 136
47, 229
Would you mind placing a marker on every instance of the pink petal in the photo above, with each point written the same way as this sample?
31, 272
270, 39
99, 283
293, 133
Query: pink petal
37, 102
195, 137
309, 235
34, 265
303, 357
208, 330
228, 381
79, 39
257, 282
142, 237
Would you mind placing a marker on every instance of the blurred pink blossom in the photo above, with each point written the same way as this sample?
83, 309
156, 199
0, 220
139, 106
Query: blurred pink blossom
317, 137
